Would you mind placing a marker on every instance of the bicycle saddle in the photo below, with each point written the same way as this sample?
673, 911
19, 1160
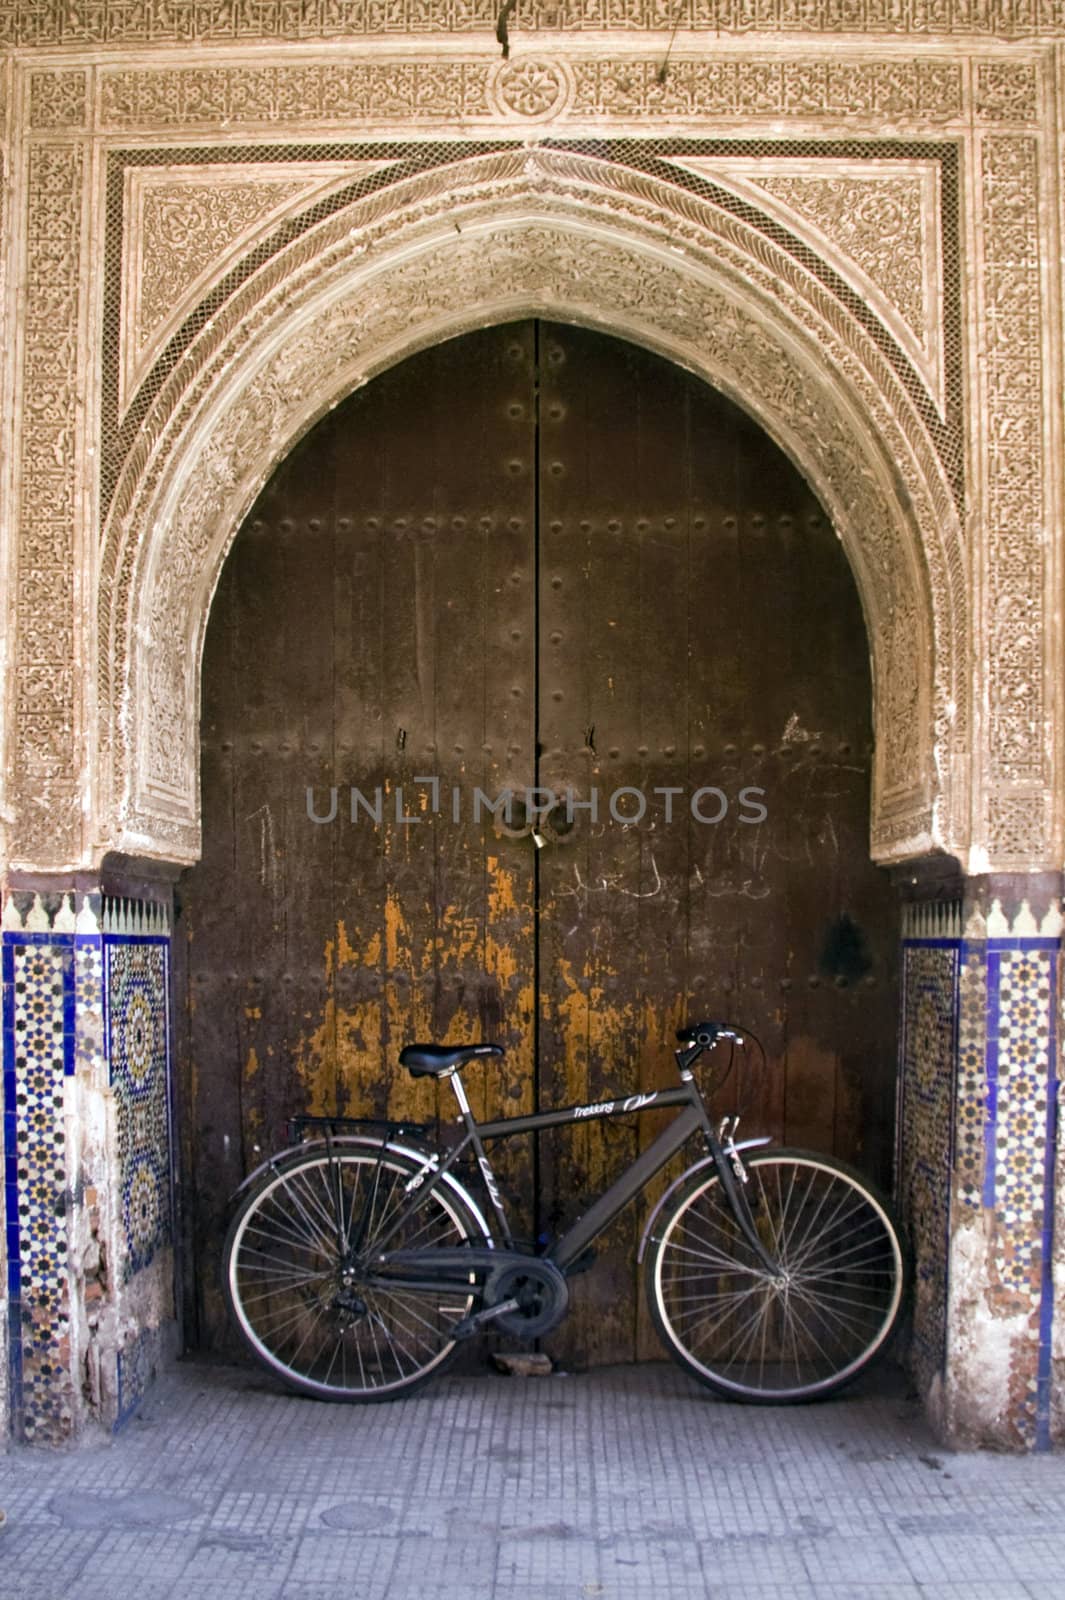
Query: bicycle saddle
433, 1060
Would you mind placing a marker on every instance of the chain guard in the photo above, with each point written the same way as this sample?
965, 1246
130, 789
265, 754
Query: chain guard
540, 1289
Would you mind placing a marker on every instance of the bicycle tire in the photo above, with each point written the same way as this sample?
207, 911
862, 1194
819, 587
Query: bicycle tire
725, 1319
282, 1274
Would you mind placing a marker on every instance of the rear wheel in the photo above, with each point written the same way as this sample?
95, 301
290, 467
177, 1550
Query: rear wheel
760, 1337
302, 1309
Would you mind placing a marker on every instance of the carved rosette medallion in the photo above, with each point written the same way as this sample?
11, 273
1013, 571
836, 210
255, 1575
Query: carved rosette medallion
532, 88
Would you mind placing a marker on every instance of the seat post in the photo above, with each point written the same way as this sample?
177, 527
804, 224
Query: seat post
460, 1094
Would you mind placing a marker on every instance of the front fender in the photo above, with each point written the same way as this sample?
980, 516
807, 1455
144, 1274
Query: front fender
707, 1161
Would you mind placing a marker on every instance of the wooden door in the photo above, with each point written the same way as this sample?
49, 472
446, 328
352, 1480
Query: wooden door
703, 668
539, 558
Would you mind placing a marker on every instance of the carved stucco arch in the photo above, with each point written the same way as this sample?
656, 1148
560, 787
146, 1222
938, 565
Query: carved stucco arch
527, 233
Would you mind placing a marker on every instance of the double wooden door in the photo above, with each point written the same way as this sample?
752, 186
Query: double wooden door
534, 561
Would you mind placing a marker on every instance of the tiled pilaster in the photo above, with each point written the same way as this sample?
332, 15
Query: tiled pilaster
86, 1157
38, 1002
979, 1084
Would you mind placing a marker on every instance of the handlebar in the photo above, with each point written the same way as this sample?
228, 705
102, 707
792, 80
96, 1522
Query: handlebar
707, 1034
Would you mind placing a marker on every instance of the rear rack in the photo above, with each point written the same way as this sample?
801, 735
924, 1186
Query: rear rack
299, 1128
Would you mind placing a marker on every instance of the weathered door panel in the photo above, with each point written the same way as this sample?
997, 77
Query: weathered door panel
371, 655
613, 552
534, 556
700, 638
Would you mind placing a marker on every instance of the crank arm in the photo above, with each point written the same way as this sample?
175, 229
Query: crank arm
479, 1319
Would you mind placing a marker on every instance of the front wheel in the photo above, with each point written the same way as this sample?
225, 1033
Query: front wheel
293, 1283
795, 1335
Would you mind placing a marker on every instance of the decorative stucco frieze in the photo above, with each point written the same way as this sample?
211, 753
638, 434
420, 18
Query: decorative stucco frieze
42, 22
533, 89
850, 89
44, 761
1019, 765
342, 93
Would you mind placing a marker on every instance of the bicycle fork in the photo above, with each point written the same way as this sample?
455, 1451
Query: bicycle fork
732, 1174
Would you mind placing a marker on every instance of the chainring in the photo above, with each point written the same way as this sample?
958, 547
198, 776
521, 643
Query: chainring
541, 1291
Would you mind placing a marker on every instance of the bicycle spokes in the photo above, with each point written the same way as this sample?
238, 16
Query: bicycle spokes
803, 1328
300, 1291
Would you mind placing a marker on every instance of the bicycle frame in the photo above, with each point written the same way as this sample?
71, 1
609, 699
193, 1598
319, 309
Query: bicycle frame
572, 1244
358, 1261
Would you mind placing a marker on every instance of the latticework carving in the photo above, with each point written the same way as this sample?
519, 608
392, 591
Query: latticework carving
879, 221
182, 225
879, 224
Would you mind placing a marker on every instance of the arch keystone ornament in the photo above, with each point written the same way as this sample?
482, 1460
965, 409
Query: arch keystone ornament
528, 231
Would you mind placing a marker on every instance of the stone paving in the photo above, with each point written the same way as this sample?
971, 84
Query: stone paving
624, 1482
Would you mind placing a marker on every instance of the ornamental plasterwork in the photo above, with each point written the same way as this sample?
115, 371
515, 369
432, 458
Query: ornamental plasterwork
376, 225
185, 225
673, 310
840, 93
877, 223
1020, 773
45, 713
43, 22
535, 90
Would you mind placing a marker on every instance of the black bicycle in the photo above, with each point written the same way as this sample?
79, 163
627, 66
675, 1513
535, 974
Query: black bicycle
357, 1260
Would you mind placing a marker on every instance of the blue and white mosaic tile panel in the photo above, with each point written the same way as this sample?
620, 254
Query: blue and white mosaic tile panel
38, 978
77, 1001
970, 1116
136, 990
1018, 1171
978, 1133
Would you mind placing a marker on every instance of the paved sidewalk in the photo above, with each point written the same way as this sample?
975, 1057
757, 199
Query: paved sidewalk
627, 1483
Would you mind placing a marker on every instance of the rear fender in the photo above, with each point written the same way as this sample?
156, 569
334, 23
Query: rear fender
707, 1161
282, 1158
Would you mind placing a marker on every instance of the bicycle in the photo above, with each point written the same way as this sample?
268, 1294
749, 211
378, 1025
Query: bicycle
357, 1261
